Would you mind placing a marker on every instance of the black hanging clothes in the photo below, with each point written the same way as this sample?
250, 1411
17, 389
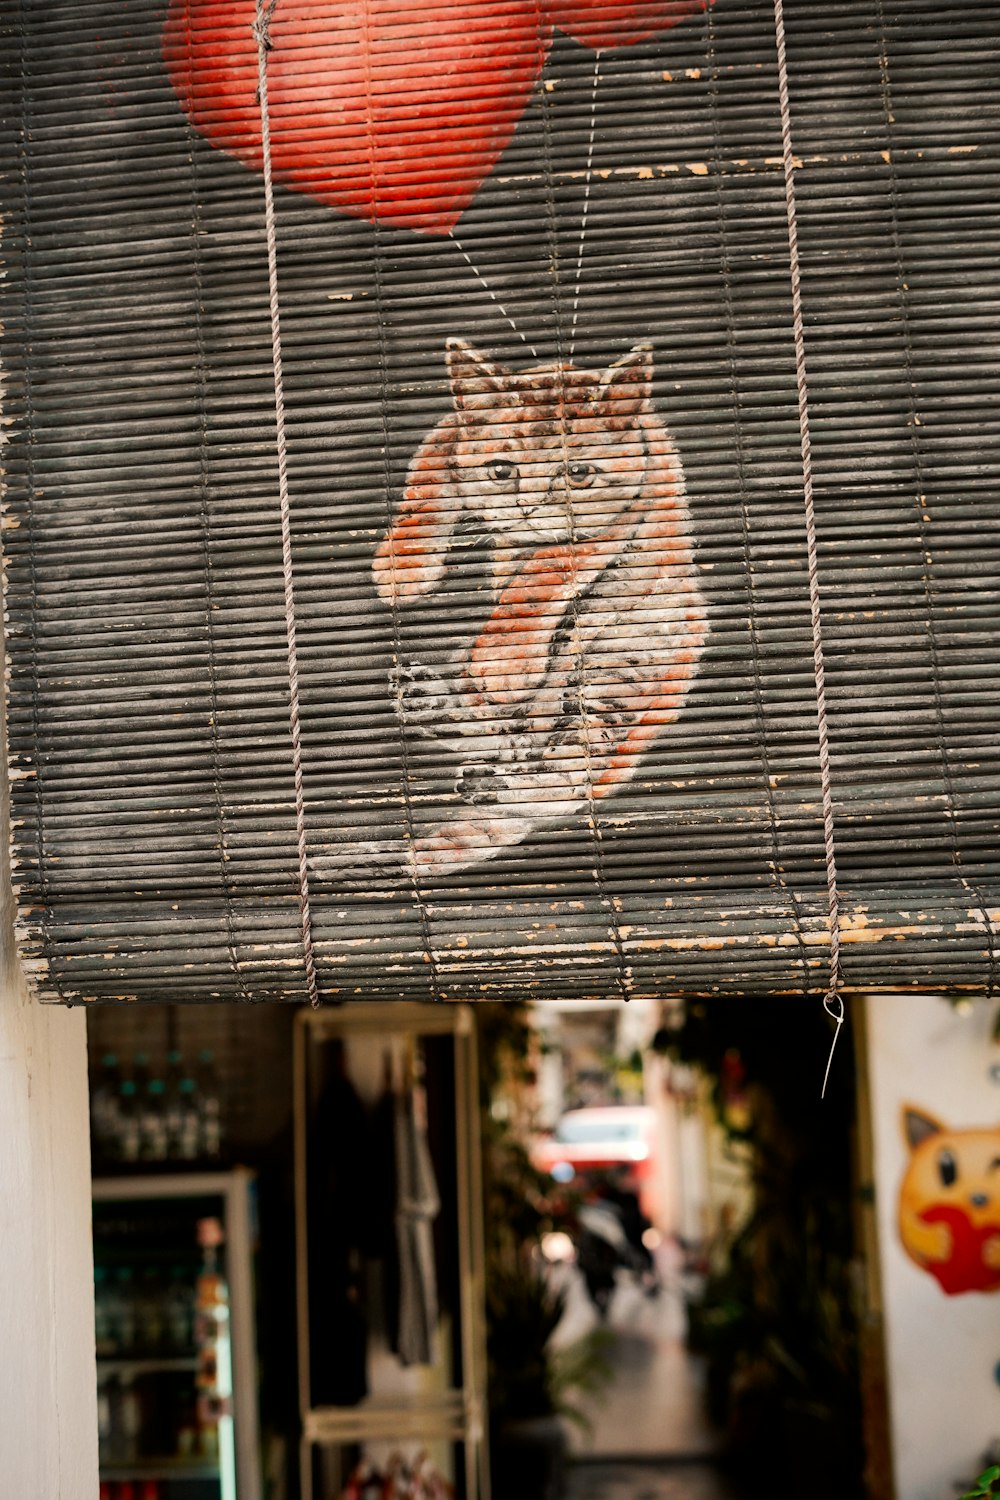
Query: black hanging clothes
340, 1196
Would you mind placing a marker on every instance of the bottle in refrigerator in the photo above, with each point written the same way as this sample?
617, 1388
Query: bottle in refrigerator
209, 1107
125, 1311
128, 1122
104, 1105
153, 1122
104, 1415
150, 1312
104, 1329
190, 1123
179, 1312
173, 1104
214, 1376
130, 1419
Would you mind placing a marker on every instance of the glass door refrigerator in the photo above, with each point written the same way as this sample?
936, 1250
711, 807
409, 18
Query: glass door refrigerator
176, 1361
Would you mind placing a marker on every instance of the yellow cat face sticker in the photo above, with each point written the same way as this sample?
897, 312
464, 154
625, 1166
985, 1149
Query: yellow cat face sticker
949, 1203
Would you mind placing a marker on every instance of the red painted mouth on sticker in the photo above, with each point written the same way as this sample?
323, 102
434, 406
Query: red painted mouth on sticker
965, 1270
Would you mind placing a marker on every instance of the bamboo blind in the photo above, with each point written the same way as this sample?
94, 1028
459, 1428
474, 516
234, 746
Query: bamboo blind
614, 188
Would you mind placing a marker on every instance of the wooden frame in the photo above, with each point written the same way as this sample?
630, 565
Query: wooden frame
458, 1415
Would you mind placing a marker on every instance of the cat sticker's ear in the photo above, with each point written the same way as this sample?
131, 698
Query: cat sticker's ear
478, 387
919, 1126
626, 387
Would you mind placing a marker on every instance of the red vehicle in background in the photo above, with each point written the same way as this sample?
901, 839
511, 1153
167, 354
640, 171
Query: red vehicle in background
594, 1144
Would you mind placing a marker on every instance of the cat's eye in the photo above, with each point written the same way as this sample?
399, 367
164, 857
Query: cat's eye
500, 471
947, 1168
580, 474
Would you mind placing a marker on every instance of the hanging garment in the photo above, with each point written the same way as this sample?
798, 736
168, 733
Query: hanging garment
417, 1206
340, 1180
381, 1237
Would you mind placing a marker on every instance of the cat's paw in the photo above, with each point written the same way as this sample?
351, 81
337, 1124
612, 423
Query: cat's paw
423, 699
505, 767
359, 861
479, 785
595, 738
937, 1242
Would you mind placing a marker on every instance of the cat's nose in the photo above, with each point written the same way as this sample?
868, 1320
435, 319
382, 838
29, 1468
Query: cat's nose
979, 1200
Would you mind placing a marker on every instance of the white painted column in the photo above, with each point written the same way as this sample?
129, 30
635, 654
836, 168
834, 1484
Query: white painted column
48, 1388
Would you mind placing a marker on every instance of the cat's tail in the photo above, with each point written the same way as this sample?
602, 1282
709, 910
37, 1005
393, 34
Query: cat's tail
383, 867
359, 864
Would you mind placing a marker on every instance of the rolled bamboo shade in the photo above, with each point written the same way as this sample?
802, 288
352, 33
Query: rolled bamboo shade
555, 664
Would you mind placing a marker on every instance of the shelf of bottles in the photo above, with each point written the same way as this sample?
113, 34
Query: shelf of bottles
164, 1356
142, 1118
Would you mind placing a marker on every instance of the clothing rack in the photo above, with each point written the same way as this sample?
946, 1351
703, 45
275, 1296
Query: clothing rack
458, 1414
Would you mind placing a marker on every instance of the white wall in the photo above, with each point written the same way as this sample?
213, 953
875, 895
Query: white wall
48, 1384
942, 1350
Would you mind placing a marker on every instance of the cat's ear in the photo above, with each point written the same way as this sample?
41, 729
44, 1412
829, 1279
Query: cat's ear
919, 1126
478, 387
626, 386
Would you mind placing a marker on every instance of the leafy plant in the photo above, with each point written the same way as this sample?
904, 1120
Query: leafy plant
528, 1377
987, 1484
522, 1311
580, 1369
775, 1317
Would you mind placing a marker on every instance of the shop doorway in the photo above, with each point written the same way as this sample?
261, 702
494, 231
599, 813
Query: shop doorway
647, 1387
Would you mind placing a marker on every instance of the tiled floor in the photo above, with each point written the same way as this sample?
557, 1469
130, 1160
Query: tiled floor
653, 1407
652, 1410
624, 1481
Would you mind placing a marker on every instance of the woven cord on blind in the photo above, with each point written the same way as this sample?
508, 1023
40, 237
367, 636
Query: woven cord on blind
833, 1000
553, 649
262, 36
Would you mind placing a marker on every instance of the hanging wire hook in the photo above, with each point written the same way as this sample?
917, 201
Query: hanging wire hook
833, 1004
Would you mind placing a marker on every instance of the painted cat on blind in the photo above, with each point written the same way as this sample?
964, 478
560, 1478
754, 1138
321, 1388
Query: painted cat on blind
597, 622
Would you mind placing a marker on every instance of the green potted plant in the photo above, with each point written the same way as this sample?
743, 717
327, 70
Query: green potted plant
528, 1441
987, 1484
775, 1317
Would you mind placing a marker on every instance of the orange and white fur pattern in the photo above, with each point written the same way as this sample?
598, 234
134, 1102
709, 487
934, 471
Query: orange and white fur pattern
597, 621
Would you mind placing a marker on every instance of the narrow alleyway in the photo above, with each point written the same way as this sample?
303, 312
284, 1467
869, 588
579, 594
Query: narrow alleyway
653, 1407
648, 1438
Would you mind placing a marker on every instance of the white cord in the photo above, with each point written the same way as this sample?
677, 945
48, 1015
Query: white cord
833, 1001
261, 31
